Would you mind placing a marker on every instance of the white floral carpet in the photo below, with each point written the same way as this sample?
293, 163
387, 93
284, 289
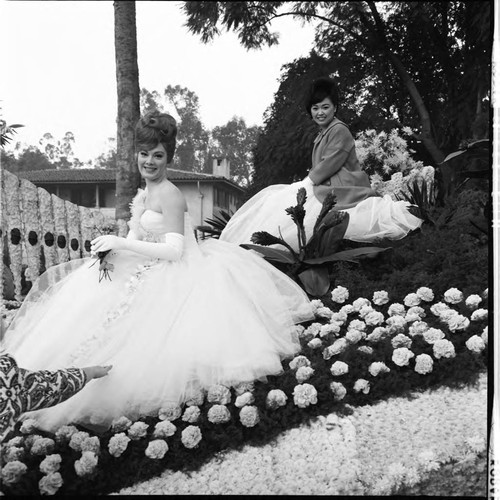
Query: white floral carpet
376, 450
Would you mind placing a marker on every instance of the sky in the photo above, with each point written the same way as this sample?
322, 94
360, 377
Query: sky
58, 67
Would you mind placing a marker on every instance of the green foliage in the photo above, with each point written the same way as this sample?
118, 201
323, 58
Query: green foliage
7, 132
235, 141
309, 266
215, 225
437, 257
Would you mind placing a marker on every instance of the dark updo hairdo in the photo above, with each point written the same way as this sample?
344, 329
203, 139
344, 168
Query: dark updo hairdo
156, 128
321, 89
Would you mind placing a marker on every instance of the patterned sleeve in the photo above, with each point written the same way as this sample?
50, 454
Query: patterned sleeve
47, 388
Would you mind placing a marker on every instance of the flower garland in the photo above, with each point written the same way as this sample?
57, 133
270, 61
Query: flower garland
11, 191
47, 227
31, 227
356, 362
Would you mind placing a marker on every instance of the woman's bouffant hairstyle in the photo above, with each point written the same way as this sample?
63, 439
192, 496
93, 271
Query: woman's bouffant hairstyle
156, 128
321, 89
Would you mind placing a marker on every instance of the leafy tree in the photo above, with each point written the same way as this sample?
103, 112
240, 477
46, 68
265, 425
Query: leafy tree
410, 49
192, 137
107, 159
32, 158
235, 141
127, 80
59, 151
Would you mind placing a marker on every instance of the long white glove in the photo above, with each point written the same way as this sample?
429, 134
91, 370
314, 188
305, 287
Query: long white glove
169, 249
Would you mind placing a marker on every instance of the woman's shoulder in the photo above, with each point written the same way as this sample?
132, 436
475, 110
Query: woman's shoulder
172, 195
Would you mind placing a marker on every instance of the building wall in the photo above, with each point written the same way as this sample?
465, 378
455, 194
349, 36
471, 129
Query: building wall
199, 198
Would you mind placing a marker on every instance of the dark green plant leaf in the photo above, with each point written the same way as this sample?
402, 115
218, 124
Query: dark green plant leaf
352, 255
316, 281
273, 254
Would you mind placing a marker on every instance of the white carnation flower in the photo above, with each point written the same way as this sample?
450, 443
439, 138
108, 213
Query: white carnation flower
484, 335
362, 385
76, 440
315, 343
340, 294
249, 416
219, 414
340, 345
339, 318
64, 433
365, 349
396, 324
479, 315
120, 424
87, 464
473, 301
411, 300
329, 328
323, 312
453, 296
191, 414
165, 428
275, 399
357, 324
219, 394
475, 344
377, 334
374, 318
243, 387
42, 446
13, 471
377, 368
359, 303
50, 483
118, 444
401, 340
417, 328
354, 336
339, 368
458, 322
438, 308
401, 356
313, 330
338, 390
305, 395
443, 349
191, 436
380, 298
303, 373
365, 311
156, 449
396, 309
247, 398
426, 294
170, 411
417, 311
138, 430
347, 309
299, 361
432, 335
423, 364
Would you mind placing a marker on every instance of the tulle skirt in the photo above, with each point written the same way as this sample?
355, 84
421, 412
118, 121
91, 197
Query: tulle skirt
220, 315
372, 219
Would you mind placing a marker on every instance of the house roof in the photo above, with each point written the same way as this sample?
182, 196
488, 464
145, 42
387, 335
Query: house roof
89, 175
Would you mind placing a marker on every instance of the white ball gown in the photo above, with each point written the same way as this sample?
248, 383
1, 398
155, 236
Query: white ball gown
371, 219
219, 315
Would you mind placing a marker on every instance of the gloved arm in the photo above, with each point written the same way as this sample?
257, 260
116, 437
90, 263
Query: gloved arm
169, 249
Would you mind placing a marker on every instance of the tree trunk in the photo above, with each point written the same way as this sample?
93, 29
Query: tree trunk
127, 83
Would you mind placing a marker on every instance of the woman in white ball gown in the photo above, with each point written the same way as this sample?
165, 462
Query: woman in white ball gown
176, 316
335, 166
